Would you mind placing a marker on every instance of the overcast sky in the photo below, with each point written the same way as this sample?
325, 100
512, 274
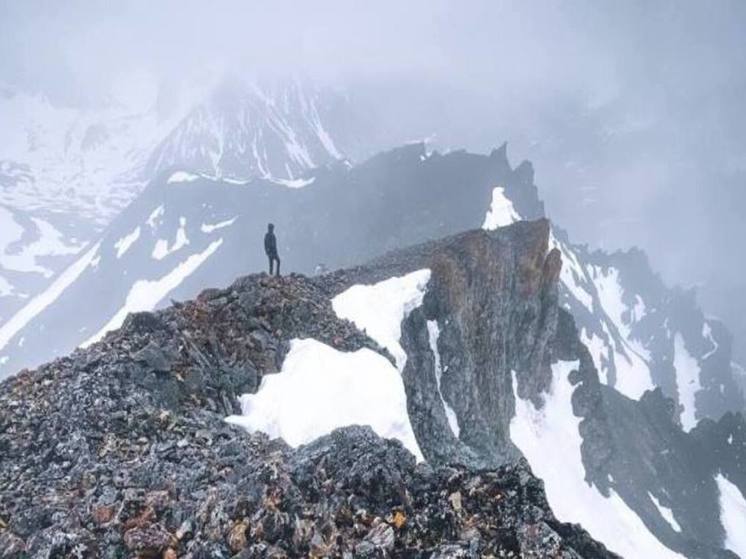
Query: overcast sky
632, 112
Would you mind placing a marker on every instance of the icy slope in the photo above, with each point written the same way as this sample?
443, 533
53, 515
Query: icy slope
643, 334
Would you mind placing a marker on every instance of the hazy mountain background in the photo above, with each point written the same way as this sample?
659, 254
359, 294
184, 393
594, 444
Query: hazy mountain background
631, 112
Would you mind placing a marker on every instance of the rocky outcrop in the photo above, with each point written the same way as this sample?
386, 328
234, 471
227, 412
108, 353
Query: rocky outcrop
492, 296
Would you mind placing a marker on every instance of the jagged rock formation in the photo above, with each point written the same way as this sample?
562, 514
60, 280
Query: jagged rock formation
631, 321
122, 448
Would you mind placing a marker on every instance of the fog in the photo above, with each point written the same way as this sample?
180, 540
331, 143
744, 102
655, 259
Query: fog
632, 112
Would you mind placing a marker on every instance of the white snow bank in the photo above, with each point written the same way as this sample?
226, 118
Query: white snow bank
433, 334
501, 212
666, 513
146, 294
320, 389
732, 515
211, 227
124, 244
687, 381
380, 308
599, 351
550, 440
46, 297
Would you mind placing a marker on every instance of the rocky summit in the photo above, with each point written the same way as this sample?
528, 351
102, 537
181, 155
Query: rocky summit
122, 449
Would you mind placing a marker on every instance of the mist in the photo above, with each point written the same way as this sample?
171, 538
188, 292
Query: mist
632, 113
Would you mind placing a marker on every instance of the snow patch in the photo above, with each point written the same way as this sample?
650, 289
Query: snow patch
501, 212
544, 434
320, 389
433, 334
732, 515
707, 333
294, 183
687, 381
599, 353
666, 513
19, 255
633, 376
379, 309
146, 294
210, 227
155, 217
124, 244
181, 176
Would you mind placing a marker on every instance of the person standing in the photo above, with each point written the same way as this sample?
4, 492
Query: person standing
270, 247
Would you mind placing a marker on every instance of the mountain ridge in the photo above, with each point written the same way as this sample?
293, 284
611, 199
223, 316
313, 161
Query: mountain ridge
147, 403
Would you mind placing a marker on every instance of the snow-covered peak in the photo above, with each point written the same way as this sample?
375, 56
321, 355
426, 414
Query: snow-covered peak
246, 129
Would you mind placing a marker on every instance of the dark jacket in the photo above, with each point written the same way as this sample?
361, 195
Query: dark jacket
270, 244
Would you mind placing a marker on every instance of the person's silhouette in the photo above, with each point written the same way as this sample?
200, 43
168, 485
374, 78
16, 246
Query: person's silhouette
270, 247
